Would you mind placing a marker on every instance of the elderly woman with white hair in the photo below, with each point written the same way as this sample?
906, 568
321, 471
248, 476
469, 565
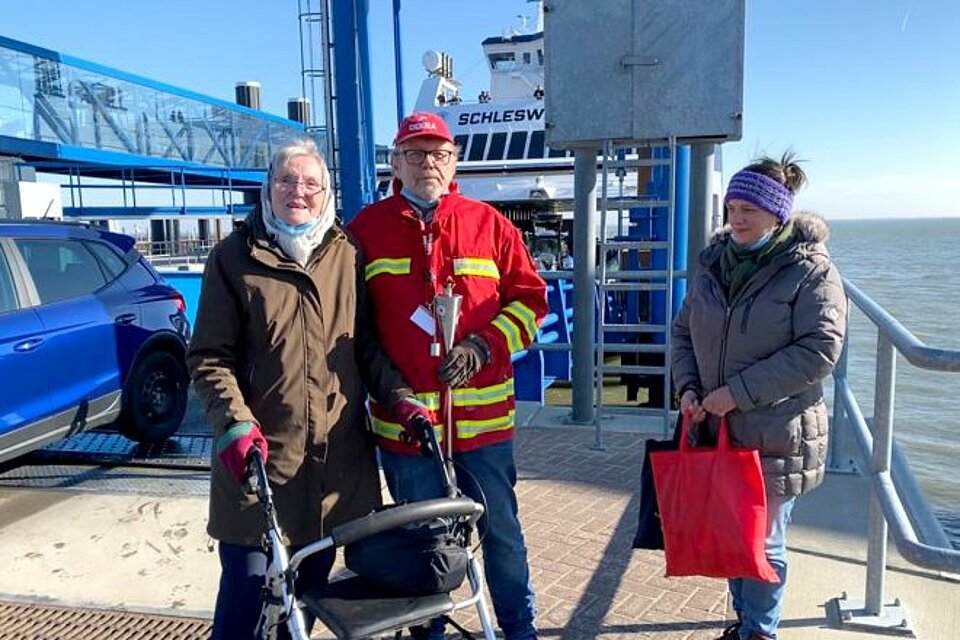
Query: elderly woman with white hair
282, 358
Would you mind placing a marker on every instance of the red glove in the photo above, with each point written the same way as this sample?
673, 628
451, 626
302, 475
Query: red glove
409, 412
235, 444
406, 411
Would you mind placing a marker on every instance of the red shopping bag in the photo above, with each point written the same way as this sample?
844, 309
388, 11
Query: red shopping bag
713, 508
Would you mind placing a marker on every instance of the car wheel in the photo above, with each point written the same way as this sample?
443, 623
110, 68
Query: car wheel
155, 398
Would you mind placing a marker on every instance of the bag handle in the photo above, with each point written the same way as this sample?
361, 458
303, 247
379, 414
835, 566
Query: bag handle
723, 436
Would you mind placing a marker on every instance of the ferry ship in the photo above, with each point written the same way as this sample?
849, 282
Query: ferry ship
505, 159
159, 497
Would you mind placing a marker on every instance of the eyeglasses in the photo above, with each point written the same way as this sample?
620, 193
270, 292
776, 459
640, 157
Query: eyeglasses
441, 157
289, 183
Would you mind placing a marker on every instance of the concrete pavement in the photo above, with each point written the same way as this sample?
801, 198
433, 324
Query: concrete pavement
578, 506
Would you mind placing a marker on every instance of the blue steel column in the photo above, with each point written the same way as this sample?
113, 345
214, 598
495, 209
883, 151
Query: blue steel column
398, 60
355, 131
368, 166
681, 220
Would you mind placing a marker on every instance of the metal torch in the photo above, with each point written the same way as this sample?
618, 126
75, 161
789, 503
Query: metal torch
446, 308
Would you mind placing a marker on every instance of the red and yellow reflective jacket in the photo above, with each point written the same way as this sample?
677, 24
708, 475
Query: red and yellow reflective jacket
470, 244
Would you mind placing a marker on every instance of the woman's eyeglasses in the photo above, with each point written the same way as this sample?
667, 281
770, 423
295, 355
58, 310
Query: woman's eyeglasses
441, 157
289, 183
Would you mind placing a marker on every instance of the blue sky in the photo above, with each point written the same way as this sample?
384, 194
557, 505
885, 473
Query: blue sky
868, 92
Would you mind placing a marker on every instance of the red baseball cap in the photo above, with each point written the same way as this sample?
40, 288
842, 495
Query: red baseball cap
422, 124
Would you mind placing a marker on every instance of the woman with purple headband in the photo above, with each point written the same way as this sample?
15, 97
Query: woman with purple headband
761, 326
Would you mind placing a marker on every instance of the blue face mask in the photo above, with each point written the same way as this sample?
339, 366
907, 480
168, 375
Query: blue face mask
761, 242
419, 202
295, 229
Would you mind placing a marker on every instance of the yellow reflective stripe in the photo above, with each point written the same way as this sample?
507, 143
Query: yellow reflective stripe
476, 267
389, 430
392, 266
526, 316
430, 399
472, 428
473, 397
510, 331
392, 430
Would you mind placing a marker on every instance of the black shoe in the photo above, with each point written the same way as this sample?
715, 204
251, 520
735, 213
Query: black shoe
731, 633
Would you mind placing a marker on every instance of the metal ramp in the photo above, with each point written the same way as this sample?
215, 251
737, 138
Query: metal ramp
106, 447
68, 116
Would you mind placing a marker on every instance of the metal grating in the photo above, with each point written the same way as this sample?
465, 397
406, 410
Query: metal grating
27, 621
113, 448
109, 479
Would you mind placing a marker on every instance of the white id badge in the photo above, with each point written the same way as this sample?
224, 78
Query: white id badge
424, 319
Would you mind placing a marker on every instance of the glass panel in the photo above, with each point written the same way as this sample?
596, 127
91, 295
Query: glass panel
50, 101
536, 145
461, 142
477, 146
8, 297
498, 142
112, 263
61, 269
503, 61
518, 143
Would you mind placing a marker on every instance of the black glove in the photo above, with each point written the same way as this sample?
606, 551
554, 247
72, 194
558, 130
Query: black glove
464, 361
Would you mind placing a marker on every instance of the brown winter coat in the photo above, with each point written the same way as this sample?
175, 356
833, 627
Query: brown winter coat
773, 345
291, 348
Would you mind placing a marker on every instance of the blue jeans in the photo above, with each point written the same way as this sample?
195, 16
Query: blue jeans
758, 604
242, 572
487, 475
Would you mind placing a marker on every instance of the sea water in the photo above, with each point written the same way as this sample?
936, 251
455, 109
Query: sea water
910, 268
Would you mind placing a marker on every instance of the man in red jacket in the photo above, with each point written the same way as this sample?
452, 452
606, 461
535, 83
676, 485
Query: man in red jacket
423, 237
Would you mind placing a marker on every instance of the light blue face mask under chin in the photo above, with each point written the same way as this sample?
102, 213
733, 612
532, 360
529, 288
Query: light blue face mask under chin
424, 205
295, 229
760, 242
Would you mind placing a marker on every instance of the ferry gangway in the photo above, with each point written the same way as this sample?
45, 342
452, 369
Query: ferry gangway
897, 504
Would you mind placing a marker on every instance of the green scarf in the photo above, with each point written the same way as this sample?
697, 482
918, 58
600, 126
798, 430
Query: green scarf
738, 264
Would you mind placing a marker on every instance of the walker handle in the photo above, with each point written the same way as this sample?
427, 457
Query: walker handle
402, 515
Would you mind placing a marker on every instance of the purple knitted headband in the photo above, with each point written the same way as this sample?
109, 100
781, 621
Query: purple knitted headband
765, 192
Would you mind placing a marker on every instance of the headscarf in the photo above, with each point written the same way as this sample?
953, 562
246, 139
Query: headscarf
298, 241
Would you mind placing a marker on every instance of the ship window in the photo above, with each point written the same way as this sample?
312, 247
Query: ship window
540, 57
557, 153
536, 145
477, 146
461, 142
526, 57
498, 143
518, 143
502, 60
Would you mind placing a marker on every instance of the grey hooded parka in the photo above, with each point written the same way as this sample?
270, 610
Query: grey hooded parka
772, 345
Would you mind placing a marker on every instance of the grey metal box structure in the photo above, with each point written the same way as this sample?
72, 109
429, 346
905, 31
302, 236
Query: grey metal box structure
643, 70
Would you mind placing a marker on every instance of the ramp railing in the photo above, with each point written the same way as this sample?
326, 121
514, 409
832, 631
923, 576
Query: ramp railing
898, 506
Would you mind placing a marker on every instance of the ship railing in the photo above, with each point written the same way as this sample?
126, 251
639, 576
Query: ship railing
897, 506
168, 253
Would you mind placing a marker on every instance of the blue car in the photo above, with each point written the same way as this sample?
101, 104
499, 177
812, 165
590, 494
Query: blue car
90, 335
